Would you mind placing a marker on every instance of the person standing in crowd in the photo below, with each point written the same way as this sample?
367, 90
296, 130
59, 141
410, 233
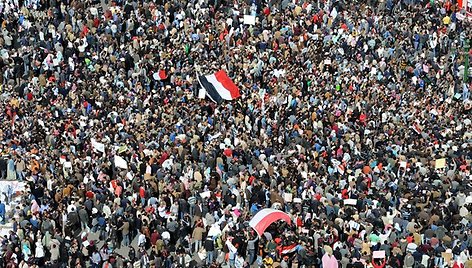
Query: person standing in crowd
2, 212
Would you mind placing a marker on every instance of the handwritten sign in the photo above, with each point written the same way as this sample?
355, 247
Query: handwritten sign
351, 202
380, 254
440, 163
354, 225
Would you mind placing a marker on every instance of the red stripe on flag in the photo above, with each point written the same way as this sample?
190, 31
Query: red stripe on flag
268, 219
288, 249
223, 78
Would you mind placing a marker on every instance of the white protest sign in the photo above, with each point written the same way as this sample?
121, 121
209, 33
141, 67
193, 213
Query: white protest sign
248, 19
380, 254
288, 197
351, 202
120, 162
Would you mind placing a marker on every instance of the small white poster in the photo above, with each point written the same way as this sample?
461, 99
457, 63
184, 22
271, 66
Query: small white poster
249, 19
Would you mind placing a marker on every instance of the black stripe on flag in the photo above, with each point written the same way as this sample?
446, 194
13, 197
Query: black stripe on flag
210, 89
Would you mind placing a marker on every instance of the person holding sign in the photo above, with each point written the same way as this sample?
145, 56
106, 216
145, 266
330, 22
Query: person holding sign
382, 265
379, 257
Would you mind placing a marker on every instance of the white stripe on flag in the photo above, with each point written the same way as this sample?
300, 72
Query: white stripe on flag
289, 249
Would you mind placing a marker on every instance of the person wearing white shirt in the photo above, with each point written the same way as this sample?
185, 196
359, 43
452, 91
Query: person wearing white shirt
141, 240
239, 262
39, 252
464, 256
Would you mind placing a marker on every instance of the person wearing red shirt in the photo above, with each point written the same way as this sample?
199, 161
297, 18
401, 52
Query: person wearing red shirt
410, 238
163, 158
448, 5
142, 195
458, 264
345, 193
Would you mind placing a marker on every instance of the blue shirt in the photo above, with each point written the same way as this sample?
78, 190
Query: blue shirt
101, 221
34, 222
254, 209
2, 209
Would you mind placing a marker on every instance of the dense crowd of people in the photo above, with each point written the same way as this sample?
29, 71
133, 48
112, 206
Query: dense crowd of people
354, 118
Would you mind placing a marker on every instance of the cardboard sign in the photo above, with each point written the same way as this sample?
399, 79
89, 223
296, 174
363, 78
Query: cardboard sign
380, 254
440, 163
354, 225
122, 149
447, 256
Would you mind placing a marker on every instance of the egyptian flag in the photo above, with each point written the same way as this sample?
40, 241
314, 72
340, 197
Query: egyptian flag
417, 128
288, 249
218, 87
160, 75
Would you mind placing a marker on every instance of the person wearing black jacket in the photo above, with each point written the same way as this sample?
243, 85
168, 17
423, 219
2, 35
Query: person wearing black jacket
73, 221
3, 168
209, 246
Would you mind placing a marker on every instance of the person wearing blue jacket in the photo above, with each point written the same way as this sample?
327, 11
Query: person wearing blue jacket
2, 213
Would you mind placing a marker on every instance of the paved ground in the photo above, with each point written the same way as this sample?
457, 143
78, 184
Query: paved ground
5, 228
123, 251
